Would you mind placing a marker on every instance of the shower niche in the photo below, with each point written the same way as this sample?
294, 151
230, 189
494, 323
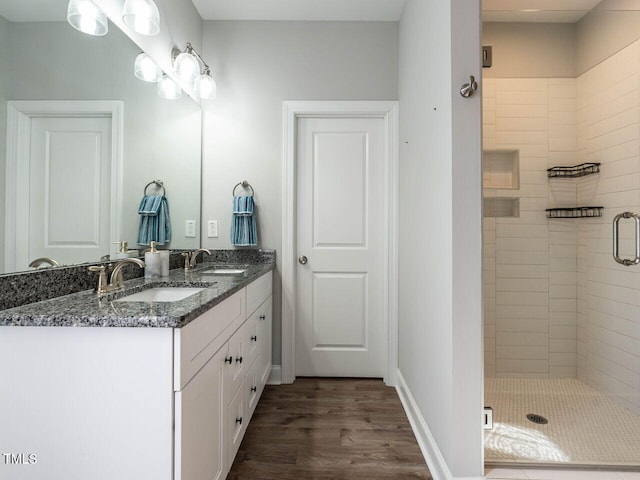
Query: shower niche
500, 176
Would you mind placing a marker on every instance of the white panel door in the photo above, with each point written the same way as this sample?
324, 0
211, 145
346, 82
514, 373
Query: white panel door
340, 204
70, 189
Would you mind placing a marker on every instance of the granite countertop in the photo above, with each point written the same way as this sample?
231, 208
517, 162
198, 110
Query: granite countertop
87, 309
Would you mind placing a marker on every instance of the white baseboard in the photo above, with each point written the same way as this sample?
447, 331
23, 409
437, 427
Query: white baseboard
435, 461
275, 378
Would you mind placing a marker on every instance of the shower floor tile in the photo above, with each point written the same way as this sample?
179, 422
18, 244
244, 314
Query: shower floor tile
585, 427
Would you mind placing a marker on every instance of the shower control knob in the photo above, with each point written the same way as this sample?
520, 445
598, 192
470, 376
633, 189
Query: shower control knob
302, 260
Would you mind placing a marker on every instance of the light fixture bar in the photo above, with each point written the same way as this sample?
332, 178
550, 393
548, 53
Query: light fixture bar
191, 51
190, 67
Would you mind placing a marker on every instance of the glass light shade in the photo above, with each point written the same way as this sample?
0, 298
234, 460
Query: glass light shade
146, 69
141, 16
169, 89
86, 16
186, 67
205, 87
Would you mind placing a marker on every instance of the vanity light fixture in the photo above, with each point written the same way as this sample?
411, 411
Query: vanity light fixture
86, 16
146, 69
189, 66
169, 89
186, 66
141, 16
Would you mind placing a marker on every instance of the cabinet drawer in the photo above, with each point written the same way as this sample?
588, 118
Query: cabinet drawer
258, 291
196, 342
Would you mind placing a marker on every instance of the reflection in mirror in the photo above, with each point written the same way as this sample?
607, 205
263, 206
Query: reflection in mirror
76, 177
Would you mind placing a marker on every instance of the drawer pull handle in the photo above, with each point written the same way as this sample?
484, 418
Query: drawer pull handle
254, 338
239, 420
239, 360
263, 317
254, 389
228, 360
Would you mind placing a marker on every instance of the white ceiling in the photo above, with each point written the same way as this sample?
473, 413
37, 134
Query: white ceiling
567, 11
555, 11
312, 10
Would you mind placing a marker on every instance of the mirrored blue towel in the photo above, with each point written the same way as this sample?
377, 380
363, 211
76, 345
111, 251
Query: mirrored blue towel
150, 204
155, 224
244, 232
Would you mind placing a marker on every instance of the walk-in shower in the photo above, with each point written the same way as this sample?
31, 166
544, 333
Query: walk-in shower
561, 128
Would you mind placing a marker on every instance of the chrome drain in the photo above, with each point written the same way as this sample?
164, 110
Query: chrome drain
535, 418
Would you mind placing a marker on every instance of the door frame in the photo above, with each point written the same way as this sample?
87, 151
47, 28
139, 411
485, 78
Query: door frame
19, 117
292, 111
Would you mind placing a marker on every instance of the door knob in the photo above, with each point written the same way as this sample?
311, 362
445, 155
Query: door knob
302, 260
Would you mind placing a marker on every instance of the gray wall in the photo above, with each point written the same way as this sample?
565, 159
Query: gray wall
440, 320
530, 49
161, 137
601, 34
4, 55
258, 65
558, 50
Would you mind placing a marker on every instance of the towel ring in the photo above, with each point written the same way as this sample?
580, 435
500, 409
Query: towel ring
243, 184
158, 183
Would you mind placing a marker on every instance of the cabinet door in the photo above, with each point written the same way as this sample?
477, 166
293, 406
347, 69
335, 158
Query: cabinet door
236, 366
253, 387
252, 339
236, 423
265, 339
199, 429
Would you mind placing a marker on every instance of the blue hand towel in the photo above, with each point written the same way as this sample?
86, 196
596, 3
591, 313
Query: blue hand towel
244, 231
243, 205
155, 224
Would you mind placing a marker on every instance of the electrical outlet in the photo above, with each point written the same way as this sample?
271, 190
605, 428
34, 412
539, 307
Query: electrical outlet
212, 229
190, 228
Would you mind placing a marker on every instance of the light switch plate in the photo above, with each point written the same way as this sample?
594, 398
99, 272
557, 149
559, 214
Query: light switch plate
190, 228
212, 229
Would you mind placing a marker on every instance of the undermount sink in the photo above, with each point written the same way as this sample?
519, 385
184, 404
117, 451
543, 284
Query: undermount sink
225, 271
161, 294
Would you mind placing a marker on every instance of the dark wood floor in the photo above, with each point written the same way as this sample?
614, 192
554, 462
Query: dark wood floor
329, 429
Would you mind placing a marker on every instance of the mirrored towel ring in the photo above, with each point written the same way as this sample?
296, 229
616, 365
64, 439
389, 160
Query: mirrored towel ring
157, 183
243, 184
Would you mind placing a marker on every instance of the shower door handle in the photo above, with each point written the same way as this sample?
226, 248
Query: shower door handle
616, 221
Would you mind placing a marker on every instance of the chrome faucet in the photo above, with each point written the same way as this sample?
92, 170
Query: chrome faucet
44, 261
116, 275
190, 258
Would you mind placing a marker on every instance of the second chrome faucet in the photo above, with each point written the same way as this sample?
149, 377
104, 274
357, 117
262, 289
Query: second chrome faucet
190, 258
116, 282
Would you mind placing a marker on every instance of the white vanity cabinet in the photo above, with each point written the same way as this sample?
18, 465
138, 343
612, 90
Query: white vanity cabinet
132, 403
219, 380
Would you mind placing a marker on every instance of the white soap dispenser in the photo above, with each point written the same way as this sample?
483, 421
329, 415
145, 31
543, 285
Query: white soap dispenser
152, 262
123, 251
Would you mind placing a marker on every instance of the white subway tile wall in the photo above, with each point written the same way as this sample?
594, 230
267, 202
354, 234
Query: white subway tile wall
608, 113
556, 304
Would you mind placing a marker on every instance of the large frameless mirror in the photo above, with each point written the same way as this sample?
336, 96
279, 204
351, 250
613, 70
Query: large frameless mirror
81, 138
